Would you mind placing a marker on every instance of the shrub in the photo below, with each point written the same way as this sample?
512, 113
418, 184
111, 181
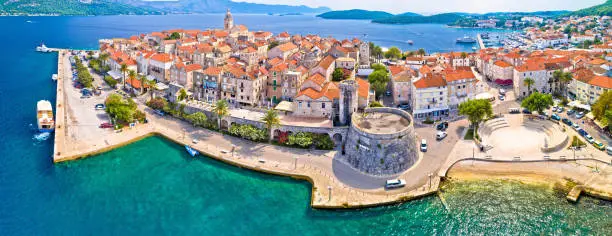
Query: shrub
197, 119
323, 142
248, 132
140, 116
428, 121
576, 142
157, 103
300, 139
376, 104
110, 81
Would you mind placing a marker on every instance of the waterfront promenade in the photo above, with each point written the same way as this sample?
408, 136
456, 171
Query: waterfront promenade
334, 183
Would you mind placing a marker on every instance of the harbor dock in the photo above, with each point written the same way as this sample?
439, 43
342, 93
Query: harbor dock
480, 42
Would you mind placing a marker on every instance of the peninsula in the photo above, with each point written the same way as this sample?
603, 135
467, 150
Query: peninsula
323, 110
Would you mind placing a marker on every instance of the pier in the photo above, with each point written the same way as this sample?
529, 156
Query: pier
480, 41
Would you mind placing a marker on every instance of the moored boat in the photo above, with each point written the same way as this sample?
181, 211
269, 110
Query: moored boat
54, 77
466, 39
44, 115
191, 151
42, 48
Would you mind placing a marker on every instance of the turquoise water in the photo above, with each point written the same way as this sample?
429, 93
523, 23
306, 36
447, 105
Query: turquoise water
152, 187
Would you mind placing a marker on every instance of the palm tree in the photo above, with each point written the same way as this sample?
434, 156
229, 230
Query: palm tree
564, 80
556, 77
103, 57
421, 51
133, 76
271, 119
221, 109
528, 82
143, 80
123, 70
152, 84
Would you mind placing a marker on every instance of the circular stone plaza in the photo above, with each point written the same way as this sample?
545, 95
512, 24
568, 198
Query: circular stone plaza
381, 141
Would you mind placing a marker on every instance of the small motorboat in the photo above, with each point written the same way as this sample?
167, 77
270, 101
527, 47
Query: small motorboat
54, 77
191, 151
42, 48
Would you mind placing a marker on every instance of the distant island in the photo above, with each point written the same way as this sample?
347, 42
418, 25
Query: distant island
445, 18
139, 7
355, 14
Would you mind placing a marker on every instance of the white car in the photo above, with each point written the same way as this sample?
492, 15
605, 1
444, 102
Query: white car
441, 135
589, 138
575, 126
395, 183
423, 145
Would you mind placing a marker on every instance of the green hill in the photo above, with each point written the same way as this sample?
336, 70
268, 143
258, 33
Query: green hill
71, 7
446, 18
604, 9
355, 14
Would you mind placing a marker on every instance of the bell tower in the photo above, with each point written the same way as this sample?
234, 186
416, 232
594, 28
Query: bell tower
228, 23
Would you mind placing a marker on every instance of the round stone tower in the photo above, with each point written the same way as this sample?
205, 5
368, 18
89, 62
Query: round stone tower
228, 22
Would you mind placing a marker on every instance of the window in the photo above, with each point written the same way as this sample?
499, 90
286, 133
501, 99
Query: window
299, 104
440, 93
308, 104
323, 105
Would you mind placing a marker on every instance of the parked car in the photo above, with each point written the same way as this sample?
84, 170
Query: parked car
570, 112
442, 126
560, 109
100, 106
423, 145
395, 183
575, 126
502, 92
404, 107
579, 115
554, 109
388, 93
502, 97
161, 113
441, 135
582, 133
555, 117
599, 145
566, 121
609, 151
106, 125
526, 111
589, 138
514, 110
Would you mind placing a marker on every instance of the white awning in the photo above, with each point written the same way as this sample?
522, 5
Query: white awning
284, 106
580, 105
161, 86
115, 74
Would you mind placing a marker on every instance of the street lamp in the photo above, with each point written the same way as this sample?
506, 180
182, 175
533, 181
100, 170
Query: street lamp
329, 188
430, 175
233, 148
295, 162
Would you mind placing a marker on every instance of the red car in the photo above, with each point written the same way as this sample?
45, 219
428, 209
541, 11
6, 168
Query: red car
106, 125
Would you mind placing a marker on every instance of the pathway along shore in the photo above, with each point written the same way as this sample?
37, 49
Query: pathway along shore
320, 168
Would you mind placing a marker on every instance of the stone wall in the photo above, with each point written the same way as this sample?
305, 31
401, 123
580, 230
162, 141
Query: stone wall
381, 154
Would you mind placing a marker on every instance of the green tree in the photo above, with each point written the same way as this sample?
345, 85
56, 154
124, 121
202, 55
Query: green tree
476, 111
174, 35
132, 76
528, 82
338, 75
379, 79
378, 66
152, 85
602, 107
421, 52
182, 95
122, 110
273, 45
538, 102
221, 109
300, 139
464, 55
157, 103
103, 57
271, 120
123, 70
197, 119
376, 104
143, 81
393, 53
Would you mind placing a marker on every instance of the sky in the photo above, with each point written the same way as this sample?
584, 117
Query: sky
438, 6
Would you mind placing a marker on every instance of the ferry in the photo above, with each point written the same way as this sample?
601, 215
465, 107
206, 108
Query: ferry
44, 114
54, 77
395, 183
466, 39
42, 48
191, 151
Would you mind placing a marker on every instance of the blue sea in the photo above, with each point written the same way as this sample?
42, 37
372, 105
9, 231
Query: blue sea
153, 187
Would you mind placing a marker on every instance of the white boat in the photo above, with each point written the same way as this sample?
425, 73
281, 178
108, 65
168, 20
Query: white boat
191, 151
44, 115
466, 39
54, 77
395, 183
42, 48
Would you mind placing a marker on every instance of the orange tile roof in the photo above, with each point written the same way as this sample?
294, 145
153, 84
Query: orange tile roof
330, 91
135, 83
396, 69
601, 81
192, 67
459, 75
430, 82
364, 88
326, 62
502, 64
213, 70
317, 79
287, 47
161, 57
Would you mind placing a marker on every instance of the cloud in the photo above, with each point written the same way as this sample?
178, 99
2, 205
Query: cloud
437, 6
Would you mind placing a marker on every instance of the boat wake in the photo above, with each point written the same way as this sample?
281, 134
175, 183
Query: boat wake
39, 137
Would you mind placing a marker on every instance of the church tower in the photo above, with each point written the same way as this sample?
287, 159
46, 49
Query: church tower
228, 23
